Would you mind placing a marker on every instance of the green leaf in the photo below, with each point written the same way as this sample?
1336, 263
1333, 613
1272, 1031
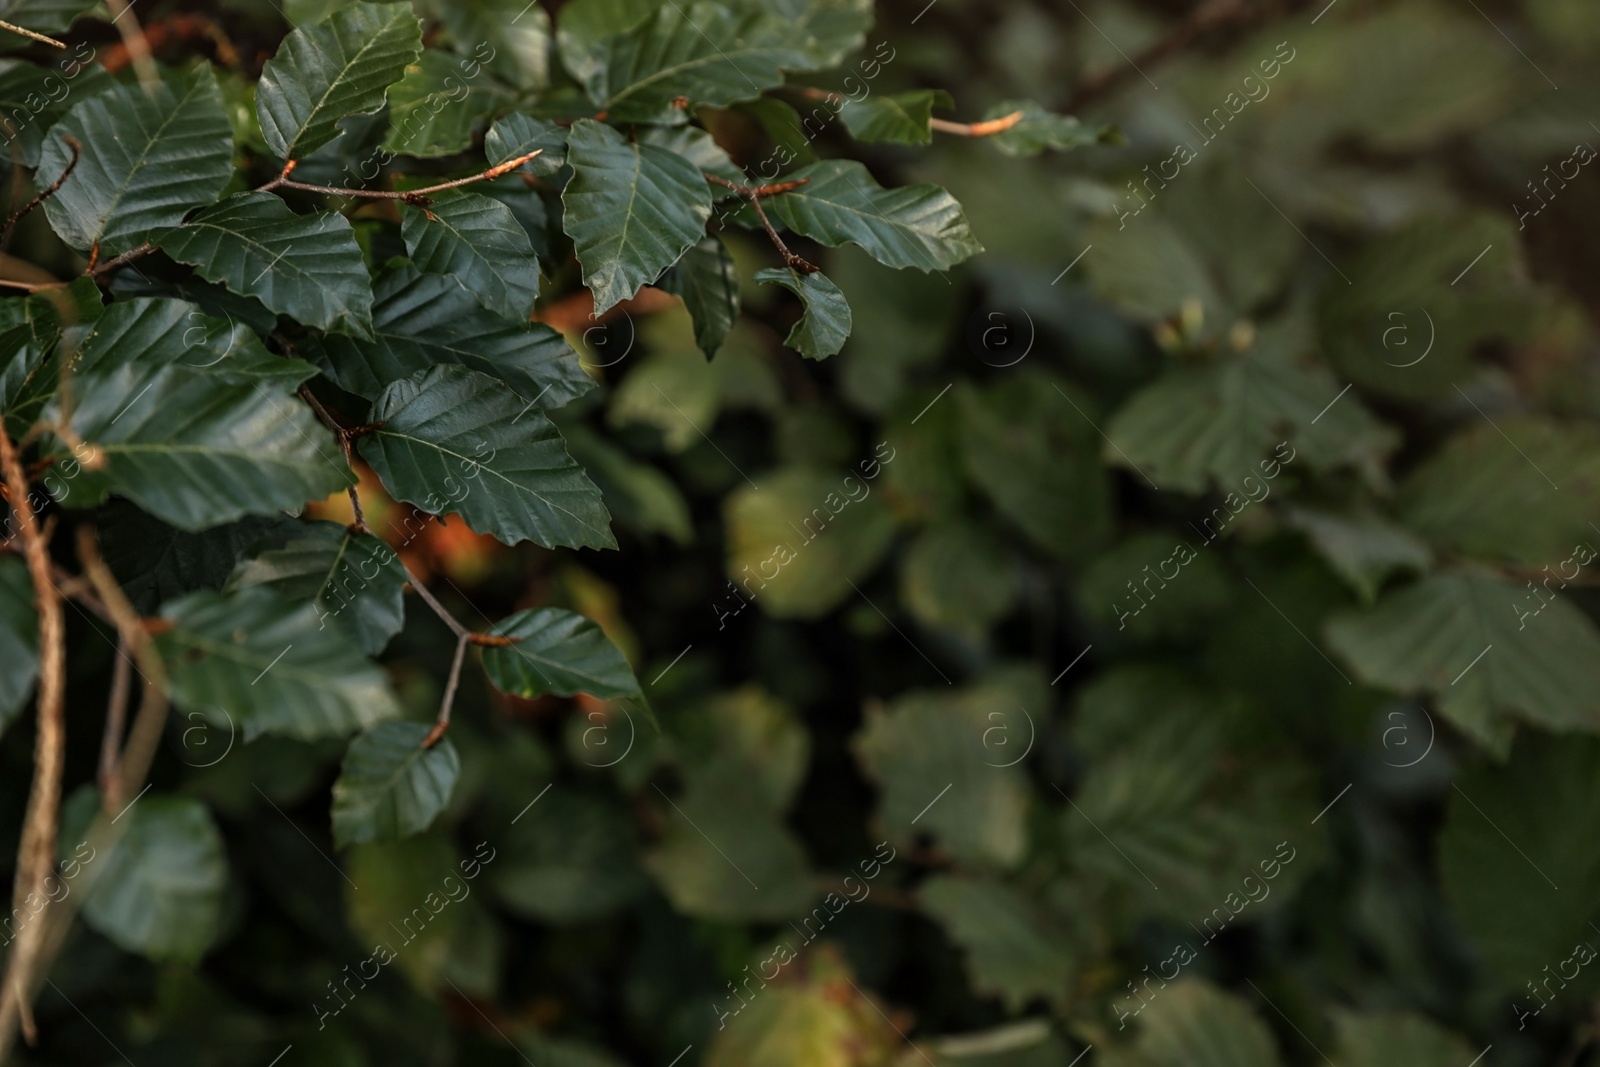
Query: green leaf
1522, 885
1410, 322
192, 434
328, 565
1397, 1039
928, 740
918, 226
825, 325
308, 267
557, 652
508, 34
724, 855
707, 281
1032, 450
270, 664
958, 576
796, 543
582, 25
572, 859
1489, 650
1192, 1023
901, 118
1184, 798
1363, 548
422, 320
638, 495
705, 53
1524, 489
32, 99
501, 464
156, 562
335, 68
159, 889
1040, 130
147, 159
1196, 427
19, 638
437, 107
480, 242
518, 134
1014, 951
1155, 586
389, 786
631, 210
697, 146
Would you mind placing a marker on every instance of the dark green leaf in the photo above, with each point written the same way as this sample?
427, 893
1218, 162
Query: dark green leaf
573, 858
42, 16
1490, 651
480, 243
33, 98
308, 267
557, 652
631, 210
1040, 130
901, 118
268, 663
501, 464
341, 66
156, 562
917, 226
436, 108
707, 281
825, 324
1013, 950
421, 320
389, 786
517, 134
336, 569
159, 890
702, 52
147, 159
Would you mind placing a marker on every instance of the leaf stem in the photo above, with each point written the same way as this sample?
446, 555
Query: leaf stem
755, 194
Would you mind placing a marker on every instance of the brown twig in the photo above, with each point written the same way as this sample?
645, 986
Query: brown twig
987, 128
36, 853
415, 197
47, 193
754, 195
442, 722
112, 264
41, 38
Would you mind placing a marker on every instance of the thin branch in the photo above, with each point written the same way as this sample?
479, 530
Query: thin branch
112, 264
339, 432
47, 193
134, 633
442, 722
987, 128
116, 720
461, 632
754, 195
36, 853
414, 197
41, 38
144, 64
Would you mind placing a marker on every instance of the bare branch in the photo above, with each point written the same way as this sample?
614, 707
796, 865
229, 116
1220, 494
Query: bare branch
754, 195
415, 197
36, 854
17, 216
442, 722
987, 128
133, 39
41, 38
